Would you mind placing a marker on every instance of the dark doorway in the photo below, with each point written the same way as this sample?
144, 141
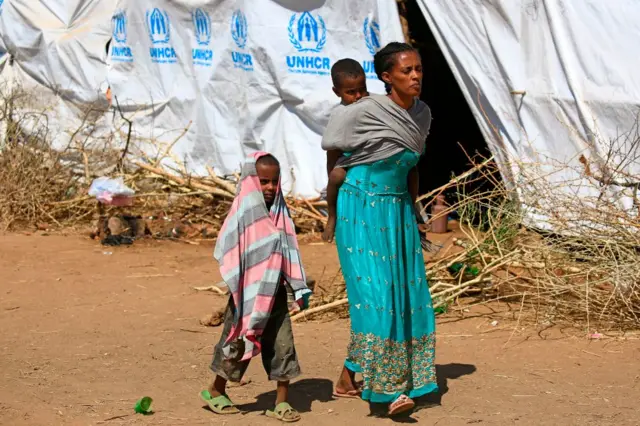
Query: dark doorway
454, 129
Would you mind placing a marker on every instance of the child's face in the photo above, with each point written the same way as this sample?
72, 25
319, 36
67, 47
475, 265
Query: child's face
351, 89
269, 176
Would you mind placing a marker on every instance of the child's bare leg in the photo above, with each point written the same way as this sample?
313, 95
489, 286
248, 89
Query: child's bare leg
218, 387
231, 369
336, 178
282, 392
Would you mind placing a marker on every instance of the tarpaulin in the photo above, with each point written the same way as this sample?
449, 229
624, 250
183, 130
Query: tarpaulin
219, 78
547, 79
242, 75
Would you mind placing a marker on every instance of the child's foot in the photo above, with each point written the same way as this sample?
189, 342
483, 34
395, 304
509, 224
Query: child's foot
219, 404
329, 229
284, 412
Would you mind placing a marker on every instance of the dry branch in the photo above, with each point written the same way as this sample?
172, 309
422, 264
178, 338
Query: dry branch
567, 238
318, 309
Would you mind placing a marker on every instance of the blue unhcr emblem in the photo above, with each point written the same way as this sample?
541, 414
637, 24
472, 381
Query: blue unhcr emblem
202, 55
307, 34
202, 26
239, 28
119, 27
158, 26
371, 31
241, 60
120, 52
159, 29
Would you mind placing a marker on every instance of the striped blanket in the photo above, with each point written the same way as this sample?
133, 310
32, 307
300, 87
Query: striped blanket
257, 250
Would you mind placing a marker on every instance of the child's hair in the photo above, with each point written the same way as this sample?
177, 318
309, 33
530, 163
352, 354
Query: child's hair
385, 59
346, 67
268, 160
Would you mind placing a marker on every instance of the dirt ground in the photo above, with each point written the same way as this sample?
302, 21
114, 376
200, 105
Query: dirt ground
87, 330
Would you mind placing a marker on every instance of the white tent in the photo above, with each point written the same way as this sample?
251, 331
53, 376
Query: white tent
547, 79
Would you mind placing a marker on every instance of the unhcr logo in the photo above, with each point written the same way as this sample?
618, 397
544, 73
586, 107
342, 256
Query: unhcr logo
239, 28
371, 31
202, 55
308, 35
1, 3
371, 35
202, 26
120, 27
120, 52
239, 33
159, 29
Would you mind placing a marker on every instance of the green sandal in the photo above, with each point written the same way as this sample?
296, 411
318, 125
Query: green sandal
284, 412
220, 404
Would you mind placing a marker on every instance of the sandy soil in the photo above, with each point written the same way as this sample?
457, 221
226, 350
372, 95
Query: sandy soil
87, 330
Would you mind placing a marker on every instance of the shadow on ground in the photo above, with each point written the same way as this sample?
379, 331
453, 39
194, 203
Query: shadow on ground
444, 373
302, 394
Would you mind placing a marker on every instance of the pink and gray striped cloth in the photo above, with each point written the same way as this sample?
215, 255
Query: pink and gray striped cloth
257, 251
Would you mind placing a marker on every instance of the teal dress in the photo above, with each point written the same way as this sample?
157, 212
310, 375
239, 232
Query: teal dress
392, 320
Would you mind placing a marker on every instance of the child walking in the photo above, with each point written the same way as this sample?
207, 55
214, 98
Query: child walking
349, 84
258, 255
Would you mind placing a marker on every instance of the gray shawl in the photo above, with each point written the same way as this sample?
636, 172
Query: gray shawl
376, 128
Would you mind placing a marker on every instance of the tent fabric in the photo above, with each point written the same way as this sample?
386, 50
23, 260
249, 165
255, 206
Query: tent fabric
238, 75
546, 79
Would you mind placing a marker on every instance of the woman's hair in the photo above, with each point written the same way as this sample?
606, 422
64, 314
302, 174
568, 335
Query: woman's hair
385, 59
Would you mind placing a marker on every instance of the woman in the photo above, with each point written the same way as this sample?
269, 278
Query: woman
392, 319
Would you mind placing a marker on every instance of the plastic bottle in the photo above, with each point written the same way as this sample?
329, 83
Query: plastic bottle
440, 223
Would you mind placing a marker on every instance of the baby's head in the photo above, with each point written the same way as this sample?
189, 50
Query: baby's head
349, 80
268, 169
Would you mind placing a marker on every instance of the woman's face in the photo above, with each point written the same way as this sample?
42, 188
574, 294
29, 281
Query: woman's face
406, 75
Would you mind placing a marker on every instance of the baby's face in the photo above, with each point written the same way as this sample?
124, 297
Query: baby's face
351, 89
269, 176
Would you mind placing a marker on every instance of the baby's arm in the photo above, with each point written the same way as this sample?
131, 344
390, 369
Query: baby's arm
336, 178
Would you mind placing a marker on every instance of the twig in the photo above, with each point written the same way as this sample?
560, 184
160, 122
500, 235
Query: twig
170, 146
213, 288
126, 146
318, 309
183, 182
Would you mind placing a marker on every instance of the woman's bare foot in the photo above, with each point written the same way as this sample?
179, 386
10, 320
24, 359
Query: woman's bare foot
346, 385
329, 229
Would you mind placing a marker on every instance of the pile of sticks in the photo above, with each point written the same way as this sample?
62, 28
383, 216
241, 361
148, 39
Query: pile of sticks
583, 273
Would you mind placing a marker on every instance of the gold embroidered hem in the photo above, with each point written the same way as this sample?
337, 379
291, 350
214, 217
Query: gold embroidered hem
389, 366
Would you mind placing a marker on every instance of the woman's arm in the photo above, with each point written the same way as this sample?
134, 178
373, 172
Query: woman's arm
413, 181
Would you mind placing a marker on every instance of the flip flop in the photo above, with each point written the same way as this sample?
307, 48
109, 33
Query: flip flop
220, 404
284, 412
352, 394
401, 405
